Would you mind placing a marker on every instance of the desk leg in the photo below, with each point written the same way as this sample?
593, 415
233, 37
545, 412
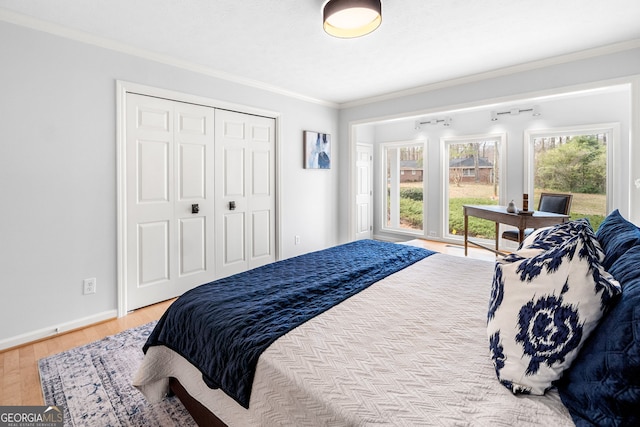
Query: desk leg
466, 233
520, 235
497, 235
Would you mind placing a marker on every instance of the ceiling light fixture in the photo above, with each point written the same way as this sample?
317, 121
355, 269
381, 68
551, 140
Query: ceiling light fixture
446, 121
351, 18
535, 111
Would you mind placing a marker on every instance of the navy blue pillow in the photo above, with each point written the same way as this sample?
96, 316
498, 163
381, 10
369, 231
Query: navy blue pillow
616, 235
602, 387
627, 267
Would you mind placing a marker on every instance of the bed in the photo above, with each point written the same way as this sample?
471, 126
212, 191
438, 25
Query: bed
408, 349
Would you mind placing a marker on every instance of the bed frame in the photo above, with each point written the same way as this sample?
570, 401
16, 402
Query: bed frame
202, 416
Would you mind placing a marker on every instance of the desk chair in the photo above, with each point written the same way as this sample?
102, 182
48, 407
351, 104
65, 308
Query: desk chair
549, 202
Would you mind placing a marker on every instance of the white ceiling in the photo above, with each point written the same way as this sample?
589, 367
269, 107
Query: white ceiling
280, 44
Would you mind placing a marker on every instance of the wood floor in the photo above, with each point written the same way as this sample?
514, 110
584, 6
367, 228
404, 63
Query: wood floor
19, 377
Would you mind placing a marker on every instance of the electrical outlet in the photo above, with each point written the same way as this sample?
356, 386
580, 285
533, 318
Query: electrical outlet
297, 240
89, 286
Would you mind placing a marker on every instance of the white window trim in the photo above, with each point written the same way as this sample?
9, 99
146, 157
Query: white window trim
444, 150
613, 129
383, 187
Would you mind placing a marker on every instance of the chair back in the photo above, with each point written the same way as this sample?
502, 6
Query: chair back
555, 203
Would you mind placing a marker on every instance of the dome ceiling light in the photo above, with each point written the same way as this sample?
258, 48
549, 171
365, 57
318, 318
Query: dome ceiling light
351, 18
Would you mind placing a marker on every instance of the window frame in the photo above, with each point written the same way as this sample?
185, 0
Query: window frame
383, 188
613, 131
445, 142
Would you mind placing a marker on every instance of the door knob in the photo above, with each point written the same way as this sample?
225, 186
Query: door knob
195, 208
232, 205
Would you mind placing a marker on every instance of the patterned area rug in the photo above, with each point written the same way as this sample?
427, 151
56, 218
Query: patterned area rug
93, 385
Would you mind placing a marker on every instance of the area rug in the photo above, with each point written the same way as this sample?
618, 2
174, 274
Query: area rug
93, 385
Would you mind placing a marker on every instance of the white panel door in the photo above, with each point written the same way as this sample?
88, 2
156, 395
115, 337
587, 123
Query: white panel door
364, 191
169, 200
245, 192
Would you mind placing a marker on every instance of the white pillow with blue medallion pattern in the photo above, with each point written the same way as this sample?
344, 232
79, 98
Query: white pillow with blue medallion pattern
546, 298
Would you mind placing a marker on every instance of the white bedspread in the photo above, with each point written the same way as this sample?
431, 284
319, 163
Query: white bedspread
410, 350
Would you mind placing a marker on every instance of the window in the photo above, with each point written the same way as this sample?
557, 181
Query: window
404, 200
473, 173
572, 161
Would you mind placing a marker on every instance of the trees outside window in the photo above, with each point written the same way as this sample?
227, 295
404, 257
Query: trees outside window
575, 164
473, 169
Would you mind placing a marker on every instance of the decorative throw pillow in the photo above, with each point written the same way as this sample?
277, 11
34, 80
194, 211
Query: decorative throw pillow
602, 387
616, 235
548, 237
544, 305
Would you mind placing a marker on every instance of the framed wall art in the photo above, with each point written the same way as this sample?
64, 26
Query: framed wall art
317, 150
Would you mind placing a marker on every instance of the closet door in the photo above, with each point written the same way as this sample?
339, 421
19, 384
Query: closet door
245, 192
170, 198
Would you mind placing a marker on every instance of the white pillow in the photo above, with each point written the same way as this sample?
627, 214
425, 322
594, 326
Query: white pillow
545, 301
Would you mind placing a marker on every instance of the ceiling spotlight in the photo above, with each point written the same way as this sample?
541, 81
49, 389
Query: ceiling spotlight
351, 18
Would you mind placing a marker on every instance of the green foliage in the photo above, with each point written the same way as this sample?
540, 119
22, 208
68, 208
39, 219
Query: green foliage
579, 166
478, 227
412, 193
411, 212
484, 229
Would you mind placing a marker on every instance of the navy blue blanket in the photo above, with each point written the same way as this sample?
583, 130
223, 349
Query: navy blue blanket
222, 327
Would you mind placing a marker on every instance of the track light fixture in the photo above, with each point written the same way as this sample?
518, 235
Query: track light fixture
351, 18
446, 121
535, 111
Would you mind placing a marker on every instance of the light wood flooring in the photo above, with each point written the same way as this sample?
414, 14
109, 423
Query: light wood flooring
19, 377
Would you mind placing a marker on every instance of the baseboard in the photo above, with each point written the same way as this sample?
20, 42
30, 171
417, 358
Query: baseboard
55, 330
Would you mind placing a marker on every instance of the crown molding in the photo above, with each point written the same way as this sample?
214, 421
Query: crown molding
105, 43
528, 66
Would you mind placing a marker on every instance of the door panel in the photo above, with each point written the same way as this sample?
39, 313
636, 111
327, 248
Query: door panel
153, 171
261, 165
363, 218
233, 127
245, 178
233, 238
193, 173
153, 253
153, 118
261, 236
169, 151
193, 250
234, 172
192, 123
262, 191
364, 194
195, 139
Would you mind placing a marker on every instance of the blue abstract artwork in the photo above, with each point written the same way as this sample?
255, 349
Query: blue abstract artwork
317, 150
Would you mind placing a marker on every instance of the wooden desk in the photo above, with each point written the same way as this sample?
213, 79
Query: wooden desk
499, 215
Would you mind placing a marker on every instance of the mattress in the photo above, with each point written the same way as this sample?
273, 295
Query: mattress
409, 350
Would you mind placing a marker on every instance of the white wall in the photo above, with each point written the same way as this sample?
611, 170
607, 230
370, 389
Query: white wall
539, 80
58, 174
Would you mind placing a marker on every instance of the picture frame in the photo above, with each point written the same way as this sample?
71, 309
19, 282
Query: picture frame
317, 150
